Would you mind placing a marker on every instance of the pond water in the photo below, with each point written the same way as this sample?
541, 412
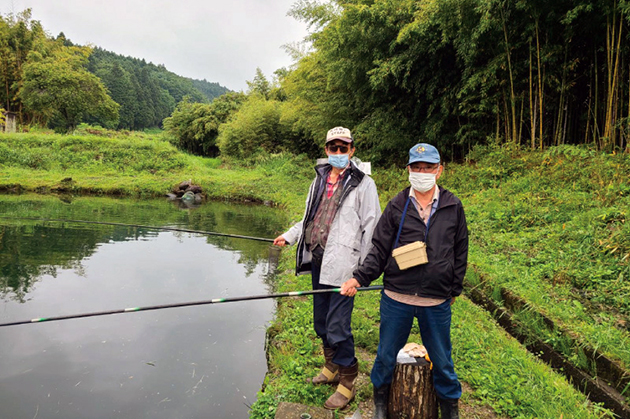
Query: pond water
191, 362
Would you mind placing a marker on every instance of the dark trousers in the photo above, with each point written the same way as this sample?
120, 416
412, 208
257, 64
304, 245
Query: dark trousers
332, 313
435, 329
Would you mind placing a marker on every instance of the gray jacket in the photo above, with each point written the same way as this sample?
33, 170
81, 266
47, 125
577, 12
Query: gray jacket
350, 237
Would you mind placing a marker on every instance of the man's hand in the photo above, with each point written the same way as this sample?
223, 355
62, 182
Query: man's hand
453, 300
279, 241
349, 288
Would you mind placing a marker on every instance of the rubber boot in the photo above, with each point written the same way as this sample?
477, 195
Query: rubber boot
449, 408
345, 390
381, 400
330, 372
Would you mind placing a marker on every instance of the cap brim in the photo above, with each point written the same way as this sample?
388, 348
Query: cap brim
344, 139
431, 161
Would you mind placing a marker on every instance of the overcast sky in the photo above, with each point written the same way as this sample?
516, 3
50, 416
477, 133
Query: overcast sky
221, 41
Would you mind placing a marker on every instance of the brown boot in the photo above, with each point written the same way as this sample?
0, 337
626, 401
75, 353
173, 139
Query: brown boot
330, 372
345, 390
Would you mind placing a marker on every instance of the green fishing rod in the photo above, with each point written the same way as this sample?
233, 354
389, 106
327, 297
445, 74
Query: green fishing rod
210, 233
186, 304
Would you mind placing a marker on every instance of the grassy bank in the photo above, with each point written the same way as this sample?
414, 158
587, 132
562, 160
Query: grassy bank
500, 371
138, 165
550, 226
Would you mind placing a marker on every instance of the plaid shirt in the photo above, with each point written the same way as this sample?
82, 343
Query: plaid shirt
332, 187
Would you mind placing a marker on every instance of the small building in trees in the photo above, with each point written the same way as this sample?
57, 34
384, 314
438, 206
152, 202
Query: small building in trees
10, 121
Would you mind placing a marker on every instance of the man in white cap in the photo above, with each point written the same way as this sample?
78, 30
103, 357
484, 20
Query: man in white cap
434, 222
333, 237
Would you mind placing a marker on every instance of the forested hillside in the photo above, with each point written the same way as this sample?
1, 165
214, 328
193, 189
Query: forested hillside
49, 81
147, 93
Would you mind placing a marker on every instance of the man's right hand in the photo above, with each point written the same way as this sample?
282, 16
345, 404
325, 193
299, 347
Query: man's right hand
349, 288
279, 241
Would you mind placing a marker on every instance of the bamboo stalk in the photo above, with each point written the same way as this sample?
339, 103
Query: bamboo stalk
511, 76
531, 101
588, 111
540, 86
520, 122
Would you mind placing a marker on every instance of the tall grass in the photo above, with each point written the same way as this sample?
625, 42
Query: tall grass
508, 195
552, 227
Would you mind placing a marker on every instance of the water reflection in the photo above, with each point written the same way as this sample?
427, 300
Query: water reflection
194, 362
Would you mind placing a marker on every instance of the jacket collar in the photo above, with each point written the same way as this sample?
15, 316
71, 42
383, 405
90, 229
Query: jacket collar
353, 174
446, 198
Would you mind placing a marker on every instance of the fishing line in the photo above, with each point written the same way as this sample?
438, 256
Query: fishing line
184, 230
186, 304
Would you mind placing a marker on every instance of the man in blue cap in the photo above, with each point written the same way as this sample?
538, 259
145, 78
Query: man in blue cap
425, 291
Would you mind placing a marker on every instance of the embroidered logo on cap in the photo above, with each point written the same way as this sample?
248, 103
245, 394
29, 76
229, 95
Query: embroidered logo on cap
339, 133
421, 149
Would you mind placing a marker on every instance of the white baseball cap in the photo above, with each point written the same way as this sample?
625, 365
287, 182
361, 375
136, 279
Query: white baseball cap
339, 133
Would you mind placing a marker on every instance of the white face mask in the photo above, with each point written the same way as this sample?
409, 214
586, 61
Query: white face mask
422, 182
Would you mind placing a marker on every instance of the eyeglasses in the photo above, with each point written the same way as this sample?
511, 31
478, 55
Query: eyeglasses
424, 169
334, 148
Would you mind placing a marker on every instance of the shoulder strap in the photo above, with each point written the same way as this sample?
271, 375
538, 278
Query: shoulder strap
402, 220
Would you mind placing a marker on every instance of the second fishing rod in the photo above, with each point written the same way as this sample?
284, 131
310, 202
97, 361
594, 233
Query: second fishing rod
184, 304
184, 230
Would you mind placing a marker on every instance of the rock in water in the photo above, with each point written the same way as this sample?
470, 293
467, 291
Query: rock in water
188, 196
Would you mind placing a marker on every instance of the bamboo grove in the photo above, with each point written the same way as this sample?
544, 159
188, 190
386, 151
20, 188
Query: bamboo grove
462, 72
455, 73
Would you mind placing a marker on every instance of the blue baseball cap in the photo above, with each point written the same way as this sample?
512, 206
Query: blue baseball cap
423, 152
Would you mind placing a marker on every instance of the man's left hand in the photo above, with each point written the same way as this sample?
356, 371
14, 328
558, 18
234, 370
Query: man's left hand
453, 300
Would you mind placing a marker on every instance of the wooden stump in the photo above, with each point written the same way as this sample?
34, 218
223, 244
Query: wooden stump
412, 395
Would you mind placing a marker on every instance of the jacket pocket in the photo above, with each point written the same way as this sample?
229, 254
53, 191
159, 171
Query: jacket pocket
438, 278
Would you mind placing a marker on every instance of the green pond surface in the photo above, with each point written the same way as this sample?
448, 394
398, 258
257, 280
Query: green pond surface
191, 362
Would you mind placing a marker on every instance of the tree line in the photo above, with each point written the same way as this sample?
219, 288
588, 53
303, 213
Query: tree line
49, 81
456, 73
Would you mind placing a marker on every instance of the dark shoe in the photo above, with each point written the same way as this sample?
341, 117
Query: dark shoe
330, 371
381, 399
449, 408
345, 390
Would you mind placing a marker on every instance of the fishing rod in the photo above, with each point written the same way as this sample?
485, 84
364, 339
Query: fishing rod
186, 304
184, 230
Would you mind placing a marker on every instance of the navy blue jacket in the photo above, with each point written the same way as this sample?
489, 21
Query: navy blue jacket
447, 249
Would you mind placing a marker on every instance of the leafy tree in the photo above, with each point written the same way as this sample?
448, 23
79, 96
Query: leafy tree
60, 89
19, 35
195, 126
463, 72
255, 128
146, 93
210, 90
